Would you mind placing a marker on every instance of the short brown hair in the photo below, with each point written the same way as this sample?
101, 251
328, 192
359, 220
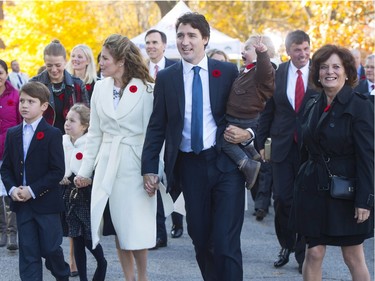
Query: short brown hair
323, 54
36, 90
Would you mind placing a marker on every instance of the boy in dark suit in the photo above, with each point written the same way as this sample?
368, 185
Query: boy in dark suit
32, 168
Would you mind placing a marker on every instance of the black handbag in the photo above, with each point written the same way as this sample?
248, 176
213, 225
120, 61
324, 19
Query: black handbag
340, 187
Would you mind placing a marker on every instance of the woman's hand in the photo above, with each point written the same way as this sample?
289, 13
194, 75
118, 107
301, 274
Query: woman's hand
361, 214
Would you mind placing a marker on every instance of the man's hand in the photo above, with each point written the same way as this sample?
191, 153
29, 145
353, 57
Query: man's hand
236, 135
150, 183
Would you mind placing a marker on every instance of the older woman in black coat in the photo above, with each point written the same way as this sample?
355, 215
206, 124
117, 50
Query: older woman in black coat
338, 135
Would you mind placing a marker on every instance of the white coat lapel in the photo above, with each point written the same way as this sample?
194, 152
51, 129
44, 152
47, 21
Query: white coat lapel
131, 96
106, 97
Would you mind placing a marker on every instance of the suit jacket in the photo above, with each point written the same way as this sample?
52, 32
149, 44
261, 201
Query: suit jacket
279, 119
44, 167
362, 87
167, 119
169, 62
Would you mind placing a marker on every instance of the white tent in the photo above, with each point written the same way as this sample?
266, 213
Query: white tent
218, 40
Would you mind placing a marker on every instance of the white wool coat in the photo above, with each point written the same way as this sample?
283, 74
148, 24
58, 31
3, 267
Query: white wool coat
113, 148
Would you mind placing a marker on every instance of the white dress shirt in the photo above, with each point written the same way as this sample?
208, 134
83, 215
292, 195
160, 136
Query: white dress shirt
160, 64
209, 124
292, 80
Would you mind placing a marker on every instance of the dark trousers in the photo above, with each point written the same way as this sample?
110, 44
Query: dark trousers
8, 223
161, 232
284, 174
40, 235
262, 190
236, 152
214, 203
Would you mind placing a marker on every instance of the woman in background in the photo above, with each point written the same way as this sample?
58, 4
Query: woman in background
82, 65
338, 139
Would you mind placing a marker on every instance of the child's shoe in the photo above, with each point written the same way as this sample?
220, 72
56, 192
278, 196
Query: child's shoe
250, 168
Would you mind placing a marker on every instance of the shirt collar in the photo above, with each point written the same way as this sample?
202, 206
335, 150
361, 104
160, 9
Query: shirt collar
160, 64
203, 64
304, 70
34, 125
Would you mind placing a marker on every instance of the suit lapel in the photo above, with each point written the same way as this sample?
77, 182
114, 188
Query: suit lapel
214, 85
19, 139
178, 81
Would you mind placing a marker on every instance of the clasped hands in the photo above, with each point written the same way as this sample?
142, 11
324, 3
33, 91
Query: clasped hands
81, 182
151, 183
21, 194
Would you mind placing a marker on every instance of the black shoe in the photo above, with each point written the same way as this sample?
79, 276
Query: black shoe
100, 271
283, 257
74, 273
12, 242
260, 214
176, 232
300, 268
250, 168
159, 244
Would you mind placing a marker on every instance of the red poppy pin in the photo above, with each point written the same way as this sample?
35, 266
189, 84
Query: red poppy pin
10, 102
327, 108
39, 135
79, 156
88, 87
216, 73
61, 97
133, 88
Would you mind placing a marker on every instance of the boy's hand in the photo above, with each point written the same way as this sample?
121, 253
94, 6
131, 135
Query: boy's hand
259, 46
17, 195
24, 193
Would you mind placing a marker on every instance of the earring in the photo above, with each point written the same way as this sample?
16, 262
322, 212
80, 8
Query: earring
346, 78
319, 80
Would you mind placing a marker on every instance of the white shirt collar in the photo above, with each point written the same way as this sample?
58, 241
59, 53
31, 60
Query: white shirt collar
304, 70
160, 64
203, 64
34, 125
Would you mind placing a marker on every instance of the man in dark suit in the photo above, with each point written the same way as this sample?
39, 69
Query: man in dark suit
366, 86
280, 121
33, 165
156, 42
189, 114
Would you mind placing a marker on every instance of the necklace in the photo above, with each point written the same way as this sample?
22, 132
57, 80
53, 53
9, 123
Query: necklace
58, 90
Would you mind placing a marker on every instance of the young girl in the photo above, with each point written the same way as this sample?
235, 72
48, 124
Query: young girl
77, 200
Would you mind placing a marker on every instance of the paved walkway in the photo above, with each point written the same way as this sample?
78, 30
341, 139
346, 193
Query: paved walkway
177, 262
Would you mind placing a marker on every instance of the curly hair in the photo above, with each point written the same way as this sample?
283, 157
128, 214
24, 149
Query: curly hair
323, 54
121, 48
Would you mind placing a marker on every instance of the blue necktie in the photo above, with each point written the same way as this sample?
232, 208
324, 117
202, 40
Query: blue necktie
197, 113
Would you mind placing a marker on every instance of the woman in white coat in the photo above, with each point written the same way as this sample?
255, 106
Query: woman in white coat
121, 106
